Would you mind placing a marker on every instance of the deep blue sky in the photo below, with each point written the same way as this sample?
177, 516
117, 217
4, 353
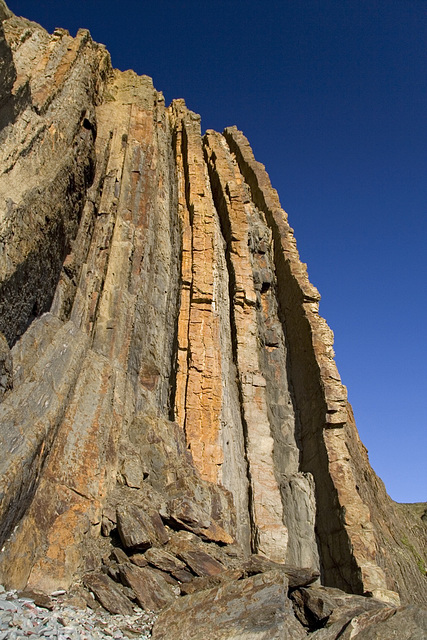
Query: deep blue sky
332, 95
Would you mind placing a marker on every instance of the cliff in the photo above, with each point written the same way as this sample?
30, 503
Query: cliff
166, 378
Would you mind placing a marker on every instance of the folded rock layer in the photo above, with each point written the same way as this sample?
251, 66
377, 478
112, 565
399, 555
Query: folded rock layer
161, 334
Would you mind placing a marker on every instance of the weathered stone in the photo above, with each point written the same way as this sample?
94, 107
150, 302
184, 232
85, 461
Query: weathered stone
201, 584
174, 291
317, 606
185, 512
139, 559
151, 590
53, 96
183, 541
167, 577
297, 577
255, 607
312, 610
113, 571
207, 396
163, 560
108, 593
134, 528
138, 529
160, 532
187, 500
119, 556
201, 563
300, 577
39, 599
182, 575
405, 623
6, 367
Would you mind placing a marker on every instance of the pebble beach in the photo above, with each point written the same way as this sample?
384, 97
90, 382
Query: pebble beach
21, 618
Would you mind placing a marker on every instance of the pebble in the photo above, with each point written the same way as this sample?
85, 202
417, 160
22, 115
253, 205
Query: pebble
21, 619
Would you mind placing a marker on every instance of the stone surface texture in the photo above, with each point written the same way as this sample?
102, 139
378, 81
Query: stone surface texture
170, 409
254, 608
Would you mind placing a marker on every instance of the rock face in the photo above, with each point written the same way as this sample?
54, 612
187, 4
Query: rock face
168, 389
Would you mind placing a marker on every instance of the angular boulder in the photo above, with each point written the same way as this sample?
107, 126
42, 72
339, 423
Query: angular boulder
139, 529
256, 608
317, 606
108, 593
151, 590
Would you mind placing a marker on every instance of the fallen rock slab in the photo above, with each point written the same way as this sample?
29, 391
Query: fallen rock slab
151, 590
201, 563
185, 512
39, 599
119, 556
108, 593
256, 608
139, 529
138, 559
163, 560
404, 623
316, 606
297, 577
183, 575
208, 582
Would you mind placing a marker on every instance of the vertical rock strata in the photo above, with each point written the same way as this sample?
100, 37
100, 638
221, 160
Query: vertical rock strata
162, 339
343, 523
206, 392
47, 131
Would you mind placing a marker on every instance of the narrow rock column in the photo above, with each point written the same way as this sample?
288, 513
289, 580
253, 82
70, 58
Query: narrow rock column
269, 533
207, 404
203, 394
182, 356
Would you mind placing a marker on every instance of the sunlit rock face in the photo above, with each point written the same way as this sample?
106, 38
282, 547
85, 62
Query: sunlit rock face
161, 349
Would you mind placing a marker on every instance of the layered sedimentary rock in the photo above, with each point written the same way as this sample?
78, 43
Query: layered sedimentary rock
163, 366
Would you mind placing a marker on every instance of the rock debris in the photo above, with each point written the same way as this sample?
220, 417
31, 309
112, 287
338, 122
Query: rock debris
21, 618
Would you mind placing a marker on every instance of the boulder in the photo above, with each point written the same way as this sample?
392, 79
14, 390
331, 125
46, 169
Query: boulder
186, 513
208, 582
318, 606
404, 623
297, 577
163, 560
108, 593
139, 529
151, 590
256, 608
201, 563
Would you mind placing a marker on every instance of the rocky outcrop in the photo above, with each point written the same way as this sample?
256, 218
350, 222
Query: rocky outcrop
172, 419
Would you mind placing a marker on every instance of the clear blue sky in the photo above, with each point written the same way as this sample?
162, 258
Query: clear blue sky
332, 95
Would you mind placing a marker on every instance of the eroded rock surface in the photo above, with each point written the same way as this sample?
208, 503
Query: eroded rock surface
256, 607
171, 417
